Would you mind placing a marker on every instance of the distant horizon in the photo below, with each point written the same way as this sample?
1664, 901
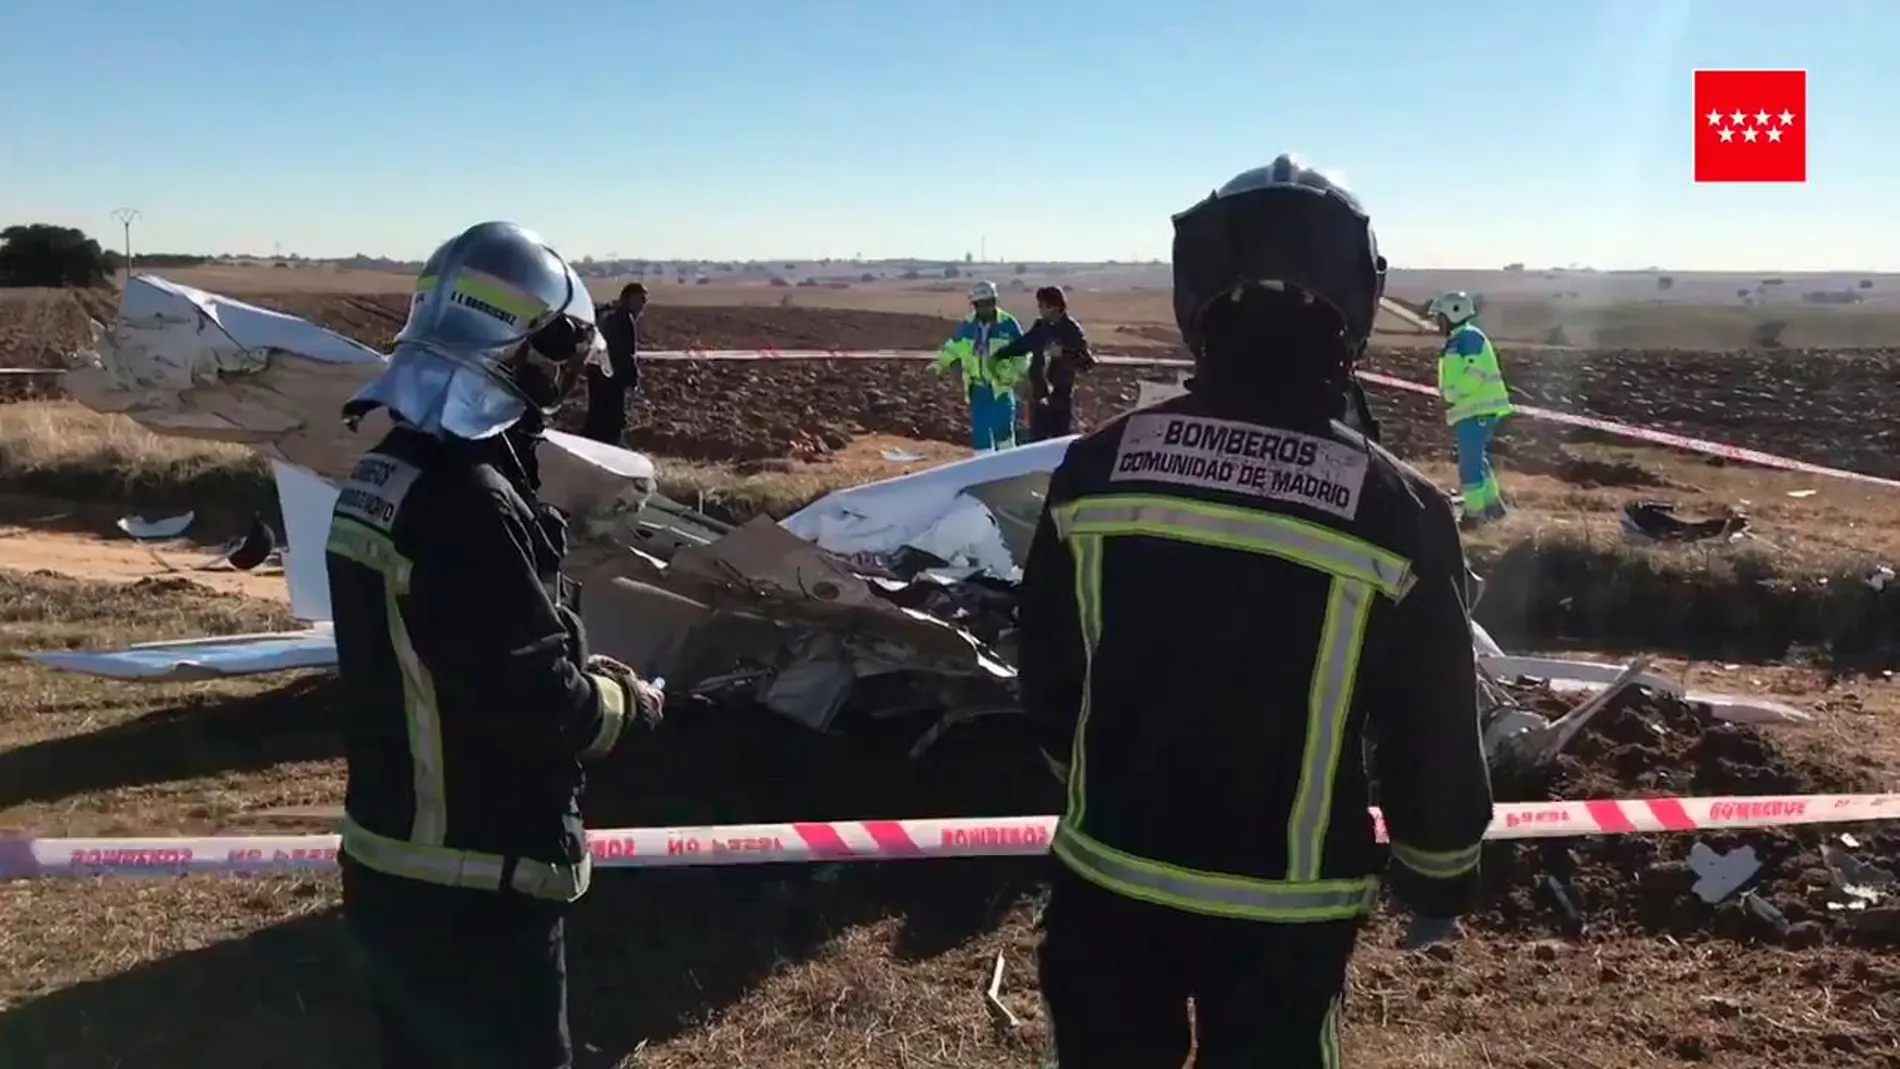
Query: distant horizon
245, 259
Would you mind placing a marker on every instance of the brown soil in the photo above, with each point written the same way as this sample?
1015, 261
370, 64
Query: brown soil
1652, 746
871, 966
1811, 405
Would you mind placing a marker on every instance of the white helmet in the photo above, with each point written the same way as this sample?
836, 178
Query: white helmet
1455, 307
982, 290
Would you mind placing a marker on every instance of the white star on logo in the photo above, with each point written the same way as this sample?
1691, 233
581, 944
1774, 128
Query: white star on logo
1774, 134
1739, 118
1748, 135
1725, 134
1787, 118
1715, 118
1761, 118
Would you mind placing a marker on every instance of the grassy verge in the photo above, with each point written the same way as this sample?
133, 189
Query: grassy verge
1558, 572
62, 451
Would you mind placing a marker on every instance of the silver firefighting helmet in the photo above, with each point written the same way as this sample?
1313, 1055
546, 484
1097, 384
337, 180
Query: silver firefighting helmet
1284, 226
500, 325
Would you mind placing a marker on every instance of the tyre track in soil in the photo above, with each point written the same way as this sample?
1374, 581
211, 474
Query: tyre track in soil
1816, 406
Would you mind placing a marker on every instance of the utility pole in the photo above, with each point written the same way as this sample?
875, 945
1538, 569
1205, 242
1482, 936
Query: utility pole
126, 216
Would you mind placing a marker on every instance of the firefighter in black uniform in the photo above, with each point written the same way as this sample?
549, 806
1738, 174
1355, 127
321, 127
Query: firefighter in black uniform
1274, 587
472, 699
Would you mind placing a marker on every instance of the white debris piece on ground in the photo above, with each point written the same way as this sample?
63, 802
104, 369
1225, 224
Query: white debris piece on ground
1721, 873
156, 529
1857, 884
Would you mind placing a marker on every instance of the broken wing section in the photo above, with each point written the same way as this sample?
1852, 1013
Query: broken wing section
979, 512
202, 659
306, 502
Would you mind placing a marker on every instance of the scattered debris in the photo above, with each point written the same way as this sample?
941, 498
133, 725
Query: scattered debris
1878, 579
1520, 739
1857, 885
1801, 493
901, 456
1656, 521
1721, 873
247, 551
994, 996
144, 529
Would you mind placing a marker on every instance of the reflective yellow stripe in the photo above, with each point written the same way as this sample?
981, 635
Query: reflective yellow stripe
465, 868
1087, 551
1247, 530
614, 710
370, 548
429, 822
1437, 864
1359, 570
1329, 1036
500, 293
1328, 705
429, 825
1212, 893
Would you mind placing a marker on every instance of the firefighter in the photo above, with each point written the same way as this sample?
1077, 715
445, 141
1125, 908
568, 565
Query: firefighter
1051, 373
472, 699
1275, 588
1475, 400
989, 383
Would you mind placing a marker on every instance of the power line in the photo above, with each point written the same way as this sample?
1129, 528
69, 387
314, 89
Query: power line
126, 216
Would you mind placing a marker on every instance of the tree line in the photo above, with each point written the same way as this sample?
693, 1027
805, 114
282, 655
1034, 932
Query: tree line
41, 254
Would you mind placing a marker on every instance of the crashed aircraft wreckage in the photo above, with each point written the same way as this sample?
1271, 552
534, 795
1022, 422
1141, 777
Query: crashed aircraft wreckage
888, 599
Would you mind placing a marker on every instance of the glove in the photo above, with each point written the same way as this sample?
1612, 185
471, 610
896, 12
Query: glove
1426, 932
649, 700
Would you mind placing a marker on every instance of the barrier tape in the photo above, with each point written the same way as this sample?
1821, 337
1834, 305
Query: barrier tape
897, 840
1644, 434
1641, 434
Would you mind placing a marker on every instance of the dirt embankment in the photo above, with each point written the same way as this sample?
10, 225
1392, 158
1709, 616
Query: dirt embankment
1653, 746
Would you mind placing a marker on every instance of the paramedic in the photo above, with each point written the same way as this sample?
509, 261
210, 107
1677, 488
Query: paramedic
1227, 593
472, 699
609, 387
1051, 374
1475, 400
989, 383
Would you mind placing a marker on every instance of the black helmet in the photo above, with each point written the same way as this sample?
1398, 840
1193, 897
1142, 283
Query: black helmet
1282, 226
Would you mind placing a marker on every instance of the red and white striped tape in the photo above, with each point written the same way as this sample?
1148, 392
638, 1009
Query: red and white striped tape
1644, 434
1621, 430
897, 840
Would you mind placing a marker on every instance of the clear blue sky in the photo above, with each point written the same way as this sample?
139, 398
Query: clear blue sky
1478, 131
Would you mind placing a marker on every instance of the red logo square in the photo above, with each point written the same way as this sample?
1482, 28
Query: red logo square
1751, 126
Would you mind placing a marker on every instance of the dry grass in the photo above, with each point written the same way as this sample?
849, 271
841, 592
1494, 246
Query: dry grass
60, 449
798, 968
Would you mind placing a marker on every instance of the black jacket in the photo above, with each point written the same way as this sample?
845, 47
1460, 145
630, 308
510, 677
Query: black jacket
621, 332
468, 710
1051, 373
1215, 613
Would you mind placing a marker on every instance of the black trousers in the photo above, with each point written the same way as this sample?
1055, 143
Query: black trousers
460, 979
1051, 417
1117, 975
606, 419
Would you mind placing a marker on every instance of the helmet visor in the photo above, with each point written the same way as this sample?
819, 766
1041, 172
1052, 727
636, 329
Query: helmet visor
484, 297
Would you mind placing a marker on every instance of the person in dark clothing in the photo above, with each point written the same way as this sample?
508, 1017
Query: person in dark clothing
473, 698
1226, 593
1051, 374
609, 387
